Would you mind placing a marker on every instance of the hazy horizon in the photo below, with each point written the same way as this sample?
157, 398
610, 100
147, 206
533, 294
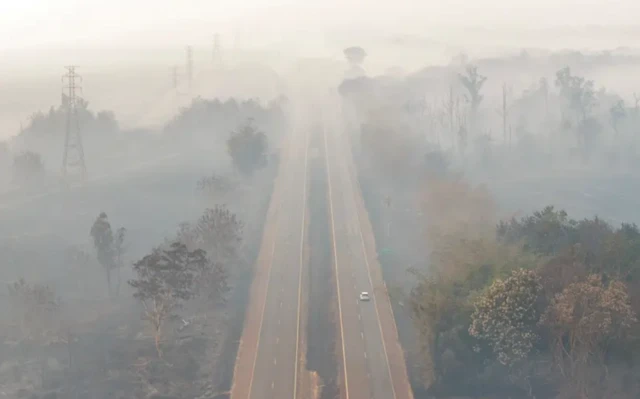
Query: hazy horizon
98, 23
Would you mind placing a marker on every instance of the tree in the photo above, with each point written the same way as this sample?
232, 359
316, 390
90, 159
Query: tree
617, 113
166, 279
355, 56
473, 82
546, 232
580, 98
583, 320
109, 249
219, 233
247, 147
214, 185
27, 168
506, 316
578, 92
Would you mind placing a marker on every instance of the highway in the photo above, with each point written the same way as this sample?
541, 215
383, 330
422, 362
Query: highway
373, 363
267, 363
270, 364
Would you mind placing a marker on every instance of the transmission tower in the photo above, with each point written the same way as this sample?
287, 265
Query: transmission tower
73, 165
190, 66
174, 77
217, 51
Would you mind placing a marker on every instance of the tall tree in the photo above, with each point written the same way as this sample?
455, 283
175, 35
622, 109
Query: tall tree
583, 320
473, 82
109, 249
617, 113
247, 147
506, 316
166, 279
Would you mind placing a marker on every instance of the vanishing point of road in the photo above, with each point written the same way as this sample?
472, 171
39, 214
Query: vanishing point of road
270, 360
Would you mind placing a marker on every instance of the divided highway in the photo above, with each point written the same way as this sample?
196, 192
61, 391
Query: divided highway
270, 361
267, 364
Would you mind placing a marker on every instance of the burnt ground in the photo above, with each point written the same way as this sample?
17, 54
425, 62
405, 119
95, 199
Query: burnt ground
321, 324
109, 342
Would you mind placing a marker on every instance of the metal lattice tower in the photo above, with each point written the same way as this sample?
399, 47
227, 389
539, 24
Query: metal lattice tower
190, 66
174, 77
73, 165
217, 51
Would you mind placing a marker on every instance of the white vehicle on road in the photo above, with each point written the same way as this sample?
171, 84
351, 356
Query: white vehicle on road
364, 296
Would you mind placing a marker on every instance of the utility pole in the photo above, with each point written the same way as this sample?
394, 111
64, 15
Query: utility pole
190, 66
73, 164
504, 112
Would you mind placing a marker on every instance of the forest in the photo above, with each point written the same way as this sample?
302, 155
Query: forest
499, 301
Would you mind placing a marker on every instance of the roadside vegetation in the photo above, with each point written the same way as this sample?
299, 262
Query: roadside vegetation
104, 315
497, 303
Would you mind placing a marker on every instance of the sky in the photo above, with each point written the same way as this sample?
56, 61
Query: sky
36, 23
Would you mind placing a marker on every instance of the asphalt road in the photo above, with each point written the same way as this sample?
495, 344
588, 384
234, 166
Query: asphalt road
373, 361
267, 365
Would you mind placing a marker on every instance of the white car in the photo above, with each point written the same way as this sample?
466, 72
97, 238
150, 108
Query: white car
364, 296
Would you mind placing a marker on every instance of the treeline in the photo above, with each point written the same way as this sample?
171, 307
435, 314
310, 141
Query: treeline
542, 306
215, 117
562, 118
51, 124
203, 124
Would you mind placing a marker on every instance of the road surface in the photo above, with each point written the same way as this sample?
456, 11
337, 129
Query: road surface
373, 361
267, 366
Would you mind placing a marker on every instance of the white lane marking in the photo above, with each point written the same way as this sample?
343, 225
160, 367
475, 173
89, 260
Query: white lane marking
277, 340
264, 306
275, 361
335, 258
359, 317
365, 354
366, 260
304, 212
280, 303
361, 335
272, 384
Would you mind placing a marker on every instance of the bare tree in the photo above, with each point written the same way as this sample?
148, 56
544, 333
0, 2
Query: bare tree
617, 113
473, 82
504, 112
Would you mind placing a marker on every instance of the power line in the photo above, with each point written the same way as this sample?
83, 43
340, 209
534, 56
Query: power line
73, 163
